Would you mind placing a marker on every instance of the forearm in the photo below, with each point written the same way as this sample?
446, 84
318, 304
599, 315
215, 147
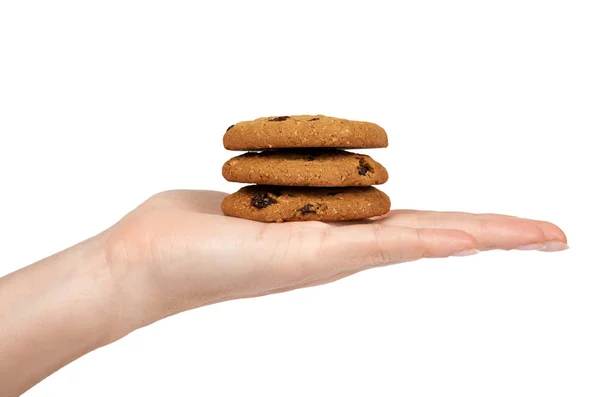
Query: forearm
53, 312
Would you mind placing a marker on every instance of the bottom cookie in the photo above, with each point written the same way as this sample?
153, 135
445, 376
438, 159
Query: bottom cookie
283, 204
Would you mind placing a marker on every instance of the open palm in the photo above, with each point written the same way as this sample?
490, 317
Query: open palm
180, 246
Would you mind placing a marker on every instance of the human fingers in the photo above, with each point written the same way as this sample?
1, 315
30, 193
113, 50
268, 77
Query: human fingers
318, 253
492, 231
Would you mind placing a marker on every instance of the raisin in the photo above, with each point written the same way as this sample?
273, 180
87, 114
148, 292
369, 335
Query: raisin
262, 200
280, 118
314, 119
363, 167
308, 209
230, 127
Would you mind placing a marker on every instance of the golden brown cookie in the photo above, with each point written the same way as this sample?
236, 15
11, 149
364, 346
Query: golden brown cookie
302, 132
301, 167
281, 204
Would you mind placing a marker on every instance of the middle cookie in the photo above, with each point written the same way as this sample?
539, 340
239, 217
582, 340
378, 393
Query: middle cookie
305, 167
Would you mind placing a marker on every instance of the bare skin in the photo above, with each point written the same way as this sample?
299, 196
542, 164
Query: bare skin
177, 251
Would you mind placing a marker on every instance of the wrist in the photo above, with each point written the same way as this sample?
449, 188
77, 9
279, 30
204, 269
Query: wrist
133, 288
92, 284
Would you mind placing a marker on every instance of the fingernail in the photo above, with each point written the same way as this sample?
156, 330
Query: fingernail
531, 247
553, 246
465, 252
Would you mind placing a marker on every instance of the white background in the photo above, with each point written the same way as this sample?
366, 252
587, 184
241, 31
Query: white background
489, 107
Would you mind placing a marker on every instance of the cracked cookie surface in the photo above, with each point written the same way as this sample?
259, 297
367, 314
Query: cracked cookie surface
302, 167
283, 204
302, 132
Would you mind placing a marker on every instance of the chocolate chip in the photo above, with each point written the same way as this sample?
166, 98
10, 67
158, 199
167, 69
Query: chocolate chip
230, 127
314, 119
308, 209
362, 170
332, 193
280, 118
262, 200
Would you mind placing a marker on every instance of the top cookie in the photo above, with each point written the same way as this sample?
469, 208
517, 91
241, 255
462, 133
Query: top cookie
303, 132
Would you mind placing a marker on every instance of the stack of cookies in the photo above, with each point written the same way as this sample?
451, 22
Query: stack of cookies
300, 173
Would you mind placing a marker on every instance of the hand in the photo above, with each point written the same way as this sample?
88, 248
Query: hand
177, 251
